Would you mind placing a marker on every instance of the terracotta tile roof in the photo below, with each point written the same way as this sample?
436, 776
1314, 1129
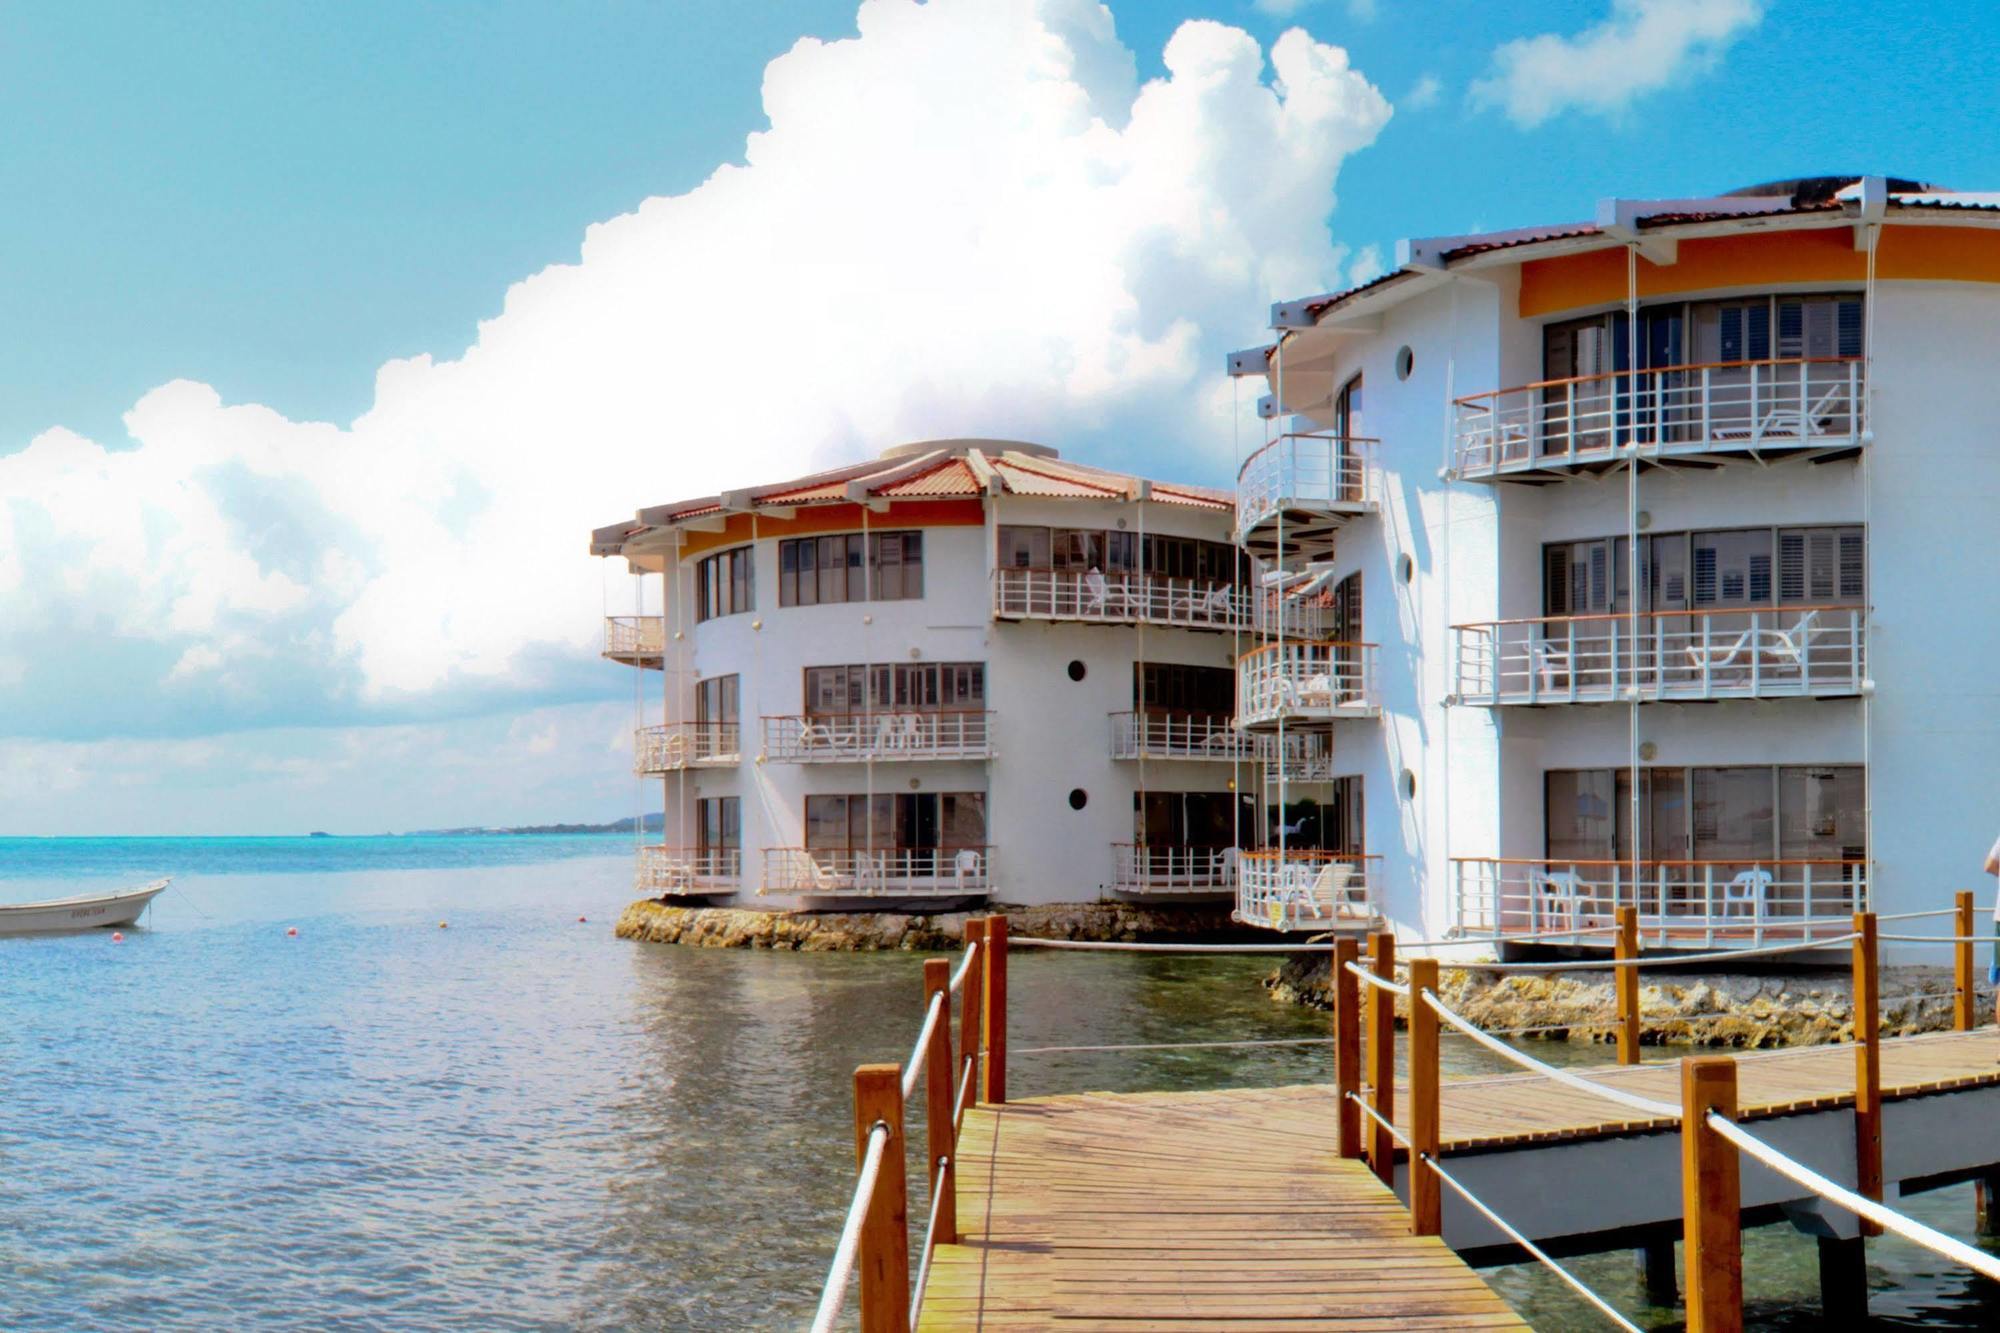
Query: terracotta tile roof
831, 490
1038, 480
952, 477
1196, 496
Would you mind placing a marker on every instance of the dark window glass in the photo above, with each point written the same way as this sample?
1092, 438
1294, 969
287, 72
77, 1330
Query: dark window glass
723, 584
838, 568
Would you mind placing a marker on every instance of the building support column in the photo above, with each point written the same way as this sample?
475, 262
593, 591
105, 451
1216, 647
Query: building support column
1657, 1279
1843, 1282
1986, 1206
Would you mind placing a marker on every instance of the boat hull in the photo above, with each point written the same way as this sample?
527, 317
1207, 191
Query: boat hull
89, 911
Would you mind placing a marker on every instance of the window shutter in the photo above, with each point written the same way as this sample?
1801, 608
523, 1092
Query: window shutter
1819, 328
1791, 566
1757, 331
1555, 580
1848, 320
1791, 328
1760, 580
1704, 575
1820, 568
1853, 564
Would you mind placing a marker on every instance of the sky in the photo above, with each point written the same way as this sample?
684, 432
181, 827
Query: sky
331, 331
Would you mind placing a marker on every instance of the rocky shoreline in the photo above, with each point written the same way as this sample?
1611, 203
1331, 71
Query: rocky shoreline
1744, 1010
657, 922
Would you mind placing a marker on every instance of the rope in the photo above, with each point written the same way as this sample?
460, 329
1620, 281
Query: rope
915, 1068
1661, 1110
1888, 1219
1020, 941
964, 968
964, 1085
835, 1294
1376, 1116
1941, 939
1374, 980
1913, 916
930, 1243
1657, 960
1174, 1046
1574, 1282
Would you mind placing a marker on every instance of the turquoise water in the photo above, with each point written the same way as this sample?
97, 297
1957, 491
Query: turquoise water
520, 1122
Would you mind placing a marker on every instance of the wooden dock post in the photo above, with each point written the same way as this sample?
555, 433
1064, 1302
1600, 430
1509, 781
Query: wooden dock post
1625, 981
940, 1092
1347, 1044
1867, 1065
1967, 1009
1382, 1056
995, 1078
1426, 1202
883, 1257
1711, 1198
969, 1007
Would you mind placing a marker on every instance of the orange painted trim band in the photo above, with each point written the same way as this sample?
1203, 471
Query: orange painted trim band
816, 520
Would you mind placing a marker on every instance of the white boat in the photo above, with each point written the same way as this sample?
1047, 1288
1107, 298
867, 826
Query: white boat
86, 911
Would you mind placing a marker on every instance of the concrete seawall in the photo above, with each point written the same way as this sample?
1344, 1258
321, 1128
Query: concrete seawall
738, 928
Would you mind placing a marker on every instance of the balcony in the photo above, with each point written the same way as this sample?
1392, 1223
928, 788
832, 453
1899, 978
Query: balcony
669, 870
1304, 757
1298, 889
886, 872
1783, 653
639, 641
1180, 736
1306, 682
1300, 489
1688, 904
1120, 598
1142, 868
674, 746
1701, 414
833, 738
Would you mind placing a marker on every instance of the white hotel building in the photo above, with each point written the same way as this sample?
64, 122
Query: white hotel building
1458, 703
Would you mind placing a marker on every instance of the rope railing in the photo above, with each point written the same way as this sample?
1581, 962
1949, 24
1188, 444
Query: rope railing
930, 1244
1386, 1125
1888, 1219
1176, 1046
1657, 960
913, 1069
834, 1296
1657, 1109
1378, 981
964, 967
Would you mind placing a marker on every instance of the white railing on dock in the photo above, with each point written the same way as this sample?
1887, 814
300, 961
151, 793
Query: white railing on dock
881, 872
688, 869
887, 735
1710, 903
1169, 869
1745, 407
1298, 889
636, 639
1179, 736
1316, 471
676, 745
1664, 655
1306, 680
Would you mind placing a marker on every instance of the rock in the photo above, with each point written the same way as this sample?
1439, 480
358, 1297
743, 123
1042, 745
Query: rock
657, 922
1739, 1010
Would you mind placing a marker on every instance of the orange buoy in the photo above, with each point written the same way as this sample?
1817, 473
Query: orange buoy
444, 925
580, 920
117, 937
291, 932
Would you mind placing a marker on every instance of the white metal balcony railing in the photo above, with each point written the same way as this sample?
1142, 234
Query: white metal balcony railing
688, 869
1180, 736
884, 872
1696, 903
883, 736
1316, 471
1746, 407
1674, 655
1156, 868
1120, 597
639, 640
1305, 756
1307, 681
1298, 889
672, 746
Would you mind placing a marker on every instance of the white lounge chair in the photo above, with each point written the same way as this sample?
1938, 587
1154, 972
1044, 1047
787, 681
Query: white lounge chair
1792, 645
1328, 894
1790, 421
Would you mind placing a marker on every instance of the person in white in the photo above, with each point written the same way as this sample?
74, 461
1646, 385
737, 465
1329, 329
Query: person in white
1993, 868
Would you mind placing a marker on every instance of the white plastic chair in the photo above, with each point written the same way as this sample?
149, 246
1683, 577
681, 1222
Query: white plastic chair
1562, 890
1548, 660
968, 864
1750, 888
1096, 593
1226, 862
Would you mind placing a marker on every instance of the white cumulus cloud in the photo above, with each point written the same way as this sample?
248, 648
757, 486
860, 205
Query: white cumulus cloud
1641, 47
969, 219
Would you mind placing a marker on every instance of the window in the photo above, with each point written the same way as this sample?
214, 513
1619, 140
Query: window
1742, 568
944, 821
715, 701
723, 584
1335, 827
1182, 818
718, 823
1165, 687
1706, 333
1732, 815
908, 686
1110, 551
814, 570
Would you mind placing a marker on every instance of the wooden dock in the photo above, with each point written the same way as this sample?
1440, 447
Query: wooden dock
1182, 1211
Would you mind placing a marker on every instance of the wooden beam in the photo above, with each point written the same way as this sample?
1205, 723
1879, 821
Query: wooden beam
1867, 1065
1426, 1203
1347, 1044
940, 1092
1382, 1056
883, 1259
1966, 1011
1711, 1198
1626, 981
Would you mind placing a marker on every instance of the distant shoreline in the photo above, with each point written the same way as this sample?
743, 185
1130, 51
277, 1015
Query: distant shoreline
651, 823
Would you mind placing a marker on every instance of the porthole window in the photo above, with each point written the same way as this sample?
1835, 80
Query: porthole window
1409, 785
1406, 568
1078, 798
1406, 361
1077, 670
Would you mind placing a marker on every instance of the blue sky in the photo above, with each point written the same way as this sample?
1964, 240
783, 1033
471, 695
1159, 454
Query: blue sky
233, 222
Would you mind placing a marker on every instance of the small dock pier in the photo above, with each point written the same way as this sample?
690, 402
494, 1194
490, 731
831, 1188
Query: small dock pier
1363, 1202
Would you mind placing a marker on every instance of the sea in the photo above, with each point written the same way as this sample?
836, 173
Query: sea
453, 1100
